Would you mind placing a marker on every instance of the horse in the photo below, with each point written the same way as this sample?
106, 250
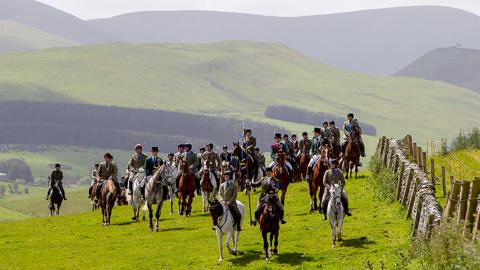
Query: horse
270, 223
208, 186
138, 181
93, 194
170, 175
246, 166
186, 189
335, 213
55, 199
302, 161
154, 195
224, 225
281, 173
319, 169
351, 158
108, 195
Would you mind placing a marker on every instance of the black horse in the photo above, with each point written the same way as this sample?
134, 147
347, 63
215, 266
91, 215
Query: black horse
246, 166
56, 199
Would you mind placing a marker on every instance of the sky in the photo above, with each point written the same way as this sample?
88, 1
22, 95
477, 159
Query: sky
90, 9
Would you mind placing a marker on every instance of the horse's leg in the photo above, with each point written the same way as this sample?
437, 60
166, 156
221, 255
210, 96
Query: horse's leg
158, 213
310, 188
236, 235
275, 250
58, 209
204, 199
334, 233
150, 215
227, 241
356, 170
172, 194
265, 244
271, 243
220, 247
283, 196
181, 204
339, 228
190, 200
347, 168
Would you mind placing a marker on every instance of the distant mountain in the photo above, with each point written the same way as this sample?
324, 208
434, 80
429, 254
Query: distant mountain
18, 37
233, 79
375, 41
453, 65
50, 20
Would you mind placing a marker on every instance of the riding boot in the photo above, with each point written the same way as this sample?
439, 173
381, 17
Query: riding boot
48, 194
90, 191
130, 187
281, 213
309, 174
142, 192
63, 191
345, 207
118, 188
324, 213
97, 193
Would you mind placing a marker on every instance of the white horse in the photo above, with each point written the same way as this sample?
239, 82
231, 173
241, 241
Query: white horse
207, 196
223, 223
335, 212
154, 195
169, 177
138, 181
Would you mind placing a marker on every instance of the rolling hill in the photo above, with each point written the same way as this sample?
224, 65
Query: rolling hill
18, 37
51, 20
234, 79
458, 66
374, 41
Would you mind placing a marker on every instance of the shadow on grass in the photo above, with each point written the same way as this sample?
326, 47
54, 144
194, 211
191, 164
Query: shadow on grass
245, 257
292, 258
176, 229
359, 242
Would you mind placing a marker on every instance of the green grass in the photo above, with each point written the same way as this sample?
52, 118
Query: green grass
24, 36
376, 233
81, 159
233, 78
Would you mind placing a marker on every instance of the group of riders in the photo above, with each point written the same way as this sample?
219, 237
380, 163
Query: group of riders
226, 165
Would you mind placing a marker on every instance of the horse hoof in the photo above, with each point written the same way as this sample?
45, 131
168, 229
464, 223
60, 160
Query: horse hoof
267, 259
143, 218
151, 229
134, 218
275, 251
340, 239
234, 253
220, 260
171, 213
156, 230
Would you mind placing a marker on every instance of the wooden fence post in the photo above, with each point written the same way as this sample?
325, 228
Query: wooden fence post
471, 205
476, 227
407, 187
378, 146
444, 184
452, 200
410, 145
382, 148
390, 165
424, 161
412, 197
396, 163
419, 157
400, 178
462, 202
416, 218
385, 154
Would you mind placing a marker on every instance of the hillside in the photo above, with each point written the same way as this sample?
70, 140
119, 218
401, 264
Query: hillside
50, 20
457, 66
304, 241
373, 41
18, 37
233, 79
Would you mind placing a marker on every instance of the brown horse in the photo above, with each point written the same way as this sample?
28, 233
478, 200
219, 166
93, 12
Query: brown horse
93, 195
186, 189
122, 199
302, 161
316, 183
246, 166
208, 187
281, 173
108, 195
270, 223
351, 157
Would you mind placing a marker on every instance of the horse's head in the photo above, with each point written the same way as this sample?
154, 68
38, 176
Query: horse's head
216, 211
336, 195
354, 136
184, 165
280, 158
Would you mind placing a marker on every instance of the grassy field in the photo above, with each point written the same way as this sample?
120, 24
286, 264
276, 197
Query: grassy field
81, 159
237, 79
376, 233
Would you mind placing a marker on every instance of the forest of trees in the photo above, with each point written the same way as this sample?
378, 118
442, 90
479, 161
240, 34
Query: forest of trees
120, 128
16, 169
467, 140
291, 114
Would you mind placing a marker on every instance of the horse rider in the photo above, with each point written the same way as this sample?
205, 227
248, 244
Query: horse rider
261, 158
199, 168
227, 195
151, 165
290, 154
325, 132
107, 169
334, 176
178, 155
169, 162
249, 144
268, 184
226, 155
295, 143
191, 159
305, 143
137, 161
56, 178
335, 136
316, 143
93, 175
349, 126
213, 162
277, 147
